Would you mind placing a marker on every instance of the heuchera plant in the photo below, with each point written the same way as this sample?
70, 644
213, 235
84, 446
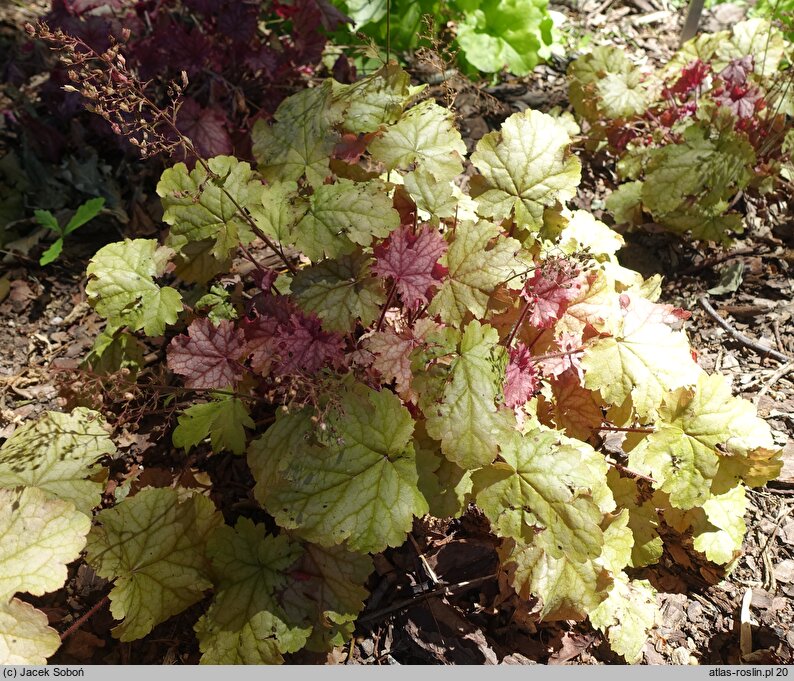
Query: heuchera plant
693, 136
422, 348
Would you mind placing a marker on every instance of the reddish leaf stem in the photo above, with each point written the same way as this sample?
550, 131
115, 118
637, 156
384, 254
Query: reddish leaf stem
386, 305
82, 620
521, 317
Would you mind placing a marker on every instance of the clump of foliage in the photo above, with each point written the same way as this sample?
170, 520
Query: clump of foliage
236, 59
430, 348
696, 135
489, 35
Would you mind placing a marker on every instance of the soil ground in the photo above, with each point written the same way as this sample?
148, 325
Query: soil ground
438, 599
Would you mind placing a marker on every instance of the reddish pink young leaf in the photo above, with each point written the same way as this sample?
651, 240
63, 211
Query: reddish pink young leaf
742, 100
521, 380
209, 356
641, 311
392, 358
305, 348
692, 76
735, 73
551, 288
350, 147
568, 344
410, 259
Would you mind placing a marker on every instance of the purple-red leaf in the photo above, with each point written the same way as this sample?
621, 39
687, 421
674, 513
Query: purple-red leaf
410, 259
551, 288
209, 356
305, 347
521, 379
206, 128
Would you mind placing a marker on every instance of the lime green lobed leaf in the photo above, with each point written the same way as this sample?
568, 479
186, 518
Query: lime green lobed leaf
25, 637
121, 287
476, 267
326, 590
38, 537
540, 493
340, 292
683, 455
527, 167
154, 545
277, 208
644, 361
467, 421
201, 206
58, 453
342, 215
245, 624
568, 589
627, 615
224, 420
431, 195
301, 139
425, 136
361, 487
719, 531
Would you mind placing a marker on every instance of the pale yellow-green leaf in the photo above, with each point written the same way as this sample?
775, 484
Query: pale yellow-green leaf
527, 167
435, 198
58, 453
540, 492
627, 616
277, 209
343, 214
38, 537
644, 361
154, 546
121, 287
199, 205
478, 259
468, 421
25, 638
424, 137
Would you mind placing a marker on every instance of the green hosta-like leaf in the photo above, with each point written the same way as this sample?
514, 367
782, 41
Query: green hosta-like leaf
476, 267
154, 545
569, 589
527, 167
644, 361
245, 624
425, 136
25, 637
342, 215
198, 206
361, 487
376, 99
121, 287
38, 537
326, 591
627, 616
540, 492
468, 422
278, 210
495, 34
683, 455
58, 454
340, 292
224, 420
712, 170
301, 139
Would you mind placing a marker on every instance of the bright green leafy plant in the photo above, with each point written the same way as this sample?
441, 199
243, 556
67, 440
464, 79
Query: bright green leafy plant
431, 348
491, 34
85, 213
697, 135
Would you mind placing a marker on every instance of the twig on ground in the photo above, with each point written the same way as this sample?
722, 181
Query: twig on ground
446, 590
770, 583
760, 348
774, 378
